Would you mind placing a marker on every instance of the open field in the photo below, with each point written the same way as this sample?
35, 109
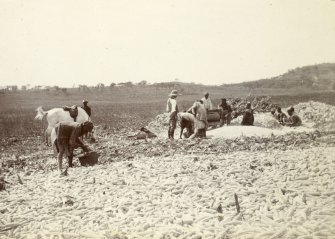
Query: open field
283, 178
116, 109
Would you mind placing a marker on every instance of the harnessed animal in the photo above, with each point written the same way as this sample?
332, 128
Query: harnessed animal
57, 115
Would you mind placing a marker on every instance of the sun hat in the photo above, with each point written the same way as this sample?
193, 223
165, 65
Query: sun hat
174, 93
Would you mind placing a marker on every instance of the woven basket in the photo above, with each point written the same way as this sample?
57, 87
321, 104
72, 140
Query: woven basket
89, 159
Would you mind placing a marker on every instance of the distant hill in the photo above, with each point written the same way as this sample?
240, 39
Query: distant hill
315, 77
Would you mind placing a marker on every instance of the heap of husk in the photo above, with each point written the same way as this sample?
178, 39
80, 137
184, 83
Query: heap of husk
258, 103
320, 115
159, 123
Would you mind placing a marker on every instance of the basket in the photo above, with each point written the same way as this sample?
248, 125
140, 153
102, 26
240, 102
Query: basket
89, 159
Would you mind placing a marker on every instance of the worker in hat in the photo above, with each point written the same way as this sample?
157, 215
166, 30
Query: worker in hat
86, 107
172, 108
248, 116
207, 101
293, 119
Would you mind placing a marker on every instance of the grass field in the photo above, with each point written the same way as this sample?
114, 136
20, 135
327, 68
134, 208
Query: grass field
125, 108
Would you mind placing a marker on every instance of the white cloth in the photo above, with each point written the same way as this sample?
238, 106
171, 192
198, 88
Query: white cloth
171, 105
207, 103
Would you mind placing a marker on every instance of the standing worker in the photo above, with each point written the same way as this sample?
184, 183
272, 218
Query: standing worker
86, 108
225, 112
88, 111
207, 102
172, 108
200, 124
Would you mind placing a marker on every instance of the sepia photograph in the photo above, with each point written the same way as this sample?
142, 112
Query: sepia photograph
163, 119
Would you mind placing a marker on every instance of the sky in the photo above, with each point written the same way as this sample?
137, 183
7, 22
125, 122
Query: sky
71, 42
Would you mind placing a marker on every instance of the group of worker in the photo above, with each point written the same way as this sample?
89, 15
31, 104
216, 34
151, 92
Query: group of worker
196, 115
195, 118
291, 120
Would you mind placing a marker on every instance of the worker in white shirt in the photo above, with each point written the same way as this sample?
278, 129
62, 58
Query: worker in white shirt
172, 108
207, 102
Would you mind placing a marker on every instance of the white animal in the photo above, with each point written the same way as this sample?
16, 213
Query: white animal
56, 115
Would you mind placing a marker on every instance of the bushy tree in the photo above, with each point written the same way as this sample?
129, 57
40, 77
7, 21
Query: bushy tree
100, 86
126, 84
143, 82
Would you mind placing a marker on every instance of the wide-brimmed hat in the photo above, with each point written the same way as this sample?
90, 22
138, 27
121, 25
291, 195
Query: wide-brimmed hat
174, 93
85, 101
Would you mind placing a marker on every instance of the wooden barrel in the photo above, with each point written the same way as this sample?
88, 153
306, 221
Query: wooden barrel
213, 116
